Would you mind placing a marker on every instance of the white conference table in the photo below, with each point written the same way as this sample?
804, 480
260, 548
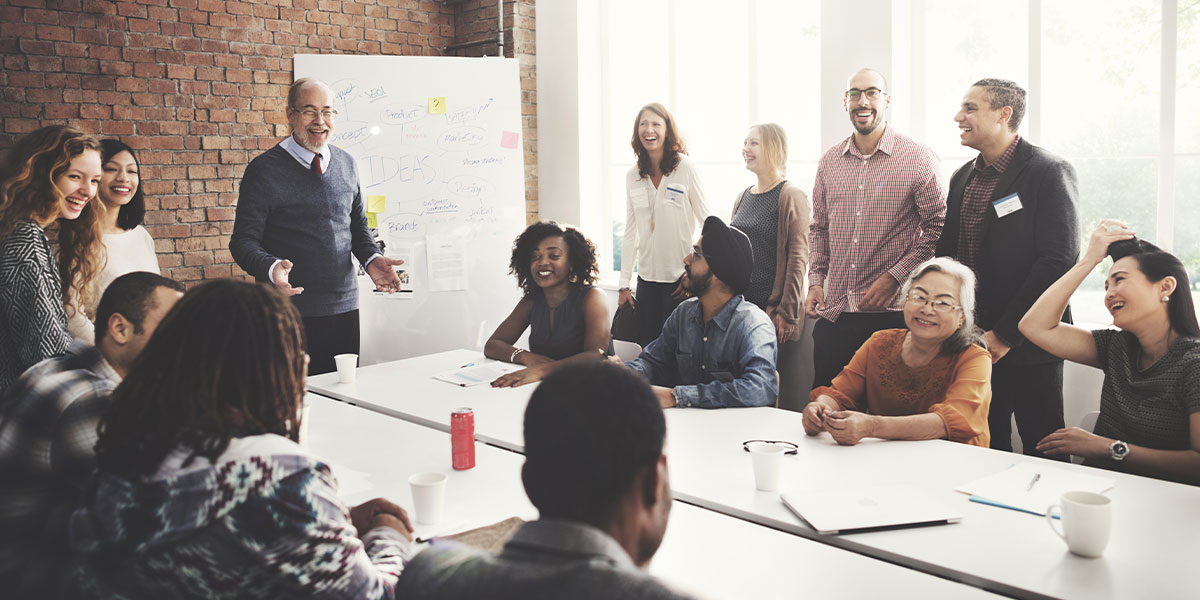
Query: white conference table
704, 552
1154, 536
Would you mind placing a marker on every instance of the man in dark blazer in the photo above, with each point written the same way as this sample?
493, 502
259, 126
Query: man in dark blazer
1013, 217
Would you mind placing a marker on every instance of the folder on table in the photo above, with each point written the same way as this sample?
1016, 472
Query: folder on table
1032, 487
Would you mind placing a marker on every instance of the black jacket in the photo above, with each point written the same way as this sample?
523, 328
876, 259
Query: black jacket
1023, 252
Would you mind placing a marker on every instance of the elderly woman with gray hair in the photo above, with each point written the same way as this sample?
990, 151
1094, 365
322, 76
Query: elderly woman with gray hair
931, 380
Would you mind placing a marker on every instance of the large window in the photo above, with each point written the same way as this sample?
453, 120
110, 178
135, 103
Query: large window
1095, 76
719, 67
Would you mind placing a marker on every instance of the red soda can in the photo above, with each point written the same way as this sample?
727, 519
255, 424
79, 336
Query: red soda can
462, 439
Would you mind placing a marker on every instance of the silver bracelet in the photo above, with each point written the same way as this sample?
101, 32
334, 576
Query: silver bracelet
513, 358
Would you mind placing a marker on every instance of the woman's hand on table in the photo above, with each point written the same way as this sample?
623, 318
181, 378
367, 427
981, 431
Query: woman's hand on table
1075, 441
522, 377
848, 427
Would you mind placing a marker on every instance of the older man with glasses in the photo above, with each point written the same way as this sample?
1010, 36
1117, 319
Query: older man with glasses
302, 201
878, 200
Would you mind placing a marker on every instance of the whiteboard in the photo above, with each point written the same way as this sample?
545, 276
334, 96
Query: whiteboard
439, 139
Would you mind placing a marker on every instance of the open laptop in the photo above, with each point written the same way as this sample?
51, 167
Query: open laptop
857, 510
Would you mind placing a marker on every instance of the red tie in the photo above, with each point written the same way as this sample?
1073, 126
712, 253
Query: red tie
316, 164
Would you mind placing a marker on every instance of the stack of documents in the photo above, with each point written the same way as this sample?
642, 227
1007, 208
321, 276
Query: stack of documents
473, 374
1032, 487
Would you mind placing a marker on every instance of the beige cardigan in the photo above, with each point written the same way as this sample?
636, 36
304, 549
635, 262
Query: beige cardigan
791, 256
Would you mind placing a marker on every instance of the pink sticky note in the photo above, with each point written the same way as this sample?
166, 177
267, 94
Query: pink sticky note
508, 139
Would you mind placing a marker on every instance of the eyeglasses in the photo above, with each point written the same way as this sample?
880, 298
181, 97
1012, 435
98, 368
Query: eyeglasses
872, 93
940, 306
789, 447
697, 254
310, 114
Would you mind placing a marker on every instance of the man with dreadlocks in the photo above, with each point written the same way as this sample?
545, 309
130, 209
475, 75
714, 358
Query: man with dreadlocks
202, 490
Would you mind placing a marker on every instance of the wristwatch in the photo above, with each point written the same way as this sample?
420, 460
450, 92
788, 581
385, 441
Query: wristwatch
1118, 450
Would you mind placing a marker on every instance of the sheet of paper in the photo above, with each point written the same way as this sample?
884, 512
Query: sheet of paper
376, 204
405, 251
472, 374
446, 259
1033, 487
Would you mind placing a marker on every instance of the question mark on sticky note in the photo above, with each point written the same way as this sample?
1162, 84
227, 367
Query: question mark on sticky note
437, 105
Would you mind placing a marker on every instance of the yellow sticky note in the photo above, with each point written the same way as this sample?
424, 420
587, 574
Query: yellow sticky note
372, 220
376, 204
437, 105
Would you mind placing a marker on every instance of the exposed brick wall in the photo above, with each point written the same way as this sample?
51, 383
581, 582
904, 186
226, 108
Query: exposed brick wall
197, 88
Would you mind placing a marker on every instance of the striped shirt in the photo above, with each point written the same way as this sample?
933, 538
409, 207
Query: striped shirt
882, 212
976, 198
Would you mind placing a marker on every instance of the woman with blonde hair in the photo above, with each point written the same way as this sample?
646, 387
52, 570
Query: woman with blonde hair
47, 181
774, 213
664, 204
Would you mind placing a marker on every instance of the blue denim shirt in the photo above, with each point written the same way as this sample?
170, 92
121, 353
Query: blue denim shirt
694, 357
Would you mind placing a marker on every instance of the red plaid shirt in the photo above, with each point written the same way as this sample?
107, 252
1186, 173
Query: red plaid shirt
873, 214
976, 198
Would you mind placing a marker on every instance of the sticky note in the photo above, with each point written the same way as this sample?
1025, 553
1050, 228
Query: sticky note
372, 220
376, 204
508, 139
437, 105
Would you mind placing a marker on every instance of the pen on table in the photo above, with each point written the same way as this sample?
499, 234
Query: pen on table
470, 364
1036, 477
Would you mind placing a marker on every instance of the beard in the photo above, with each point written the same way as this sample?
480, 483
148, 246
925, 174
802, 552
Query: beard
695, 286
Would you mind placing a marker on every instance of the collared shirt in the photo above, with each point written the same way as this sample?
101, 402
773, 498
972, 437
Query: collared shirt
874, 214
305, 157
48, 421
660, 223
547, 558
976, 198
728, 361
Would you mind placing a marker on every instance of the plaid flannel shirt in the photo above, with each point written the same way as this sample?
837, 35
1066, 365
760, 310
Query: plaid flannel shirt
977, 196
48, 421
872, 215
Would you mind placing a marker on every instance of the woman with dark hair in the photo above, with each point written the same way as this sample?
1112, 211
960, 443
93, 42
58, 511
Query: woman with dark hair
128, 247
566, 315
1150, 404
47, 180
664, 204
201, 489
774, 213
931, 380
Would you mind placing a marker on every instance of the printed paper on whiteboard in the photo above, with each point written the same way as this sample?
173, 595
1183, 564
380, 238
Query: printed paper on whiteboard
446, 257
405, 251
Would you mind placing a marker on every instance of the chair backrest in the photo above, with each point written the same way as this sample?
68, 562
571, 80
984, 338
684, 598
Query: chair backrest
1088, 421
626, 350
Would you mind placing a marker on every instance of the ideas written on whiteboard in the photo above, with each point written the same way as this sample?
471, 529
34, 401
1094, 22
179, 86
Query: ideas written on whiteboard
447, 258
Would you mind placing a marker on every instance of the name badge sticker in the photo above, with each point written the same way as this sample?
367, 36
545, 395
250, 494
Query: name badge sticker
675, 194
1007, 205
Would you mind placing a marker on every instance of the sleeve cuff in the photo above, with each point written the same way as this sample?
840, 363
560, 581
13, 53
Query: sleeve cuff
687, 396
373, 257
271, 271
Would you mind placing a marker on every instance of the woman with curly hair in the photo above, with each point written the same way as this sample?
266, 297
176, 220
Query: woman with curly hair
201, 489
664, 205
47, 181
127, 246
565, 313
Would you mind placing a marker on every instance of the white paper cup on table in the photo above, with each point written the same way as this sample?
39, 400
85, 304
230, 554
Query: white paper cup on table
1086, 521
347, 365
429, 496
768, 460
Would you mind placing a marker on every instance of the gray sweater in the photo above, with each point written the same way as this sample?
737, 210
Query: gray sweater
317, 221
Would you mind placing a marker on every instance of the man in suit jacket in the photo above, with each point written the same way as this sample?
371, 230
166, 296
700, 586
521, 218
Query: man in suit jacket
1012, 216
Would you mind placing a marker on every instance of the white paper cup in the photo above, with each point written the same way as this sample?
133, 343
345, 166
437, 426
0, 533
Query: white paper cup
346, 367
304, 410
1086, 521
429, 496
767, 459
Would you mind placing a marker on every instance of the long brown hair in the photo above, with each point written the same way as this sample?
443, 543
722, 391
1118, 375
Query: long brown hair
227, 361
28, 192
673, 144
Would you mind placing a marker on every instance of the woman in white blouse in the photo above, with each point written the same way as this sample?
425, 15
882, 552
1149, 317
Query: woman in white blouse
664, 204
128, 246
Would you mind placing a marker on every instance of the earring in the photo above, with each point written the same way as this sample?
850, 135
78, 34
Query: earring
1166, 298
